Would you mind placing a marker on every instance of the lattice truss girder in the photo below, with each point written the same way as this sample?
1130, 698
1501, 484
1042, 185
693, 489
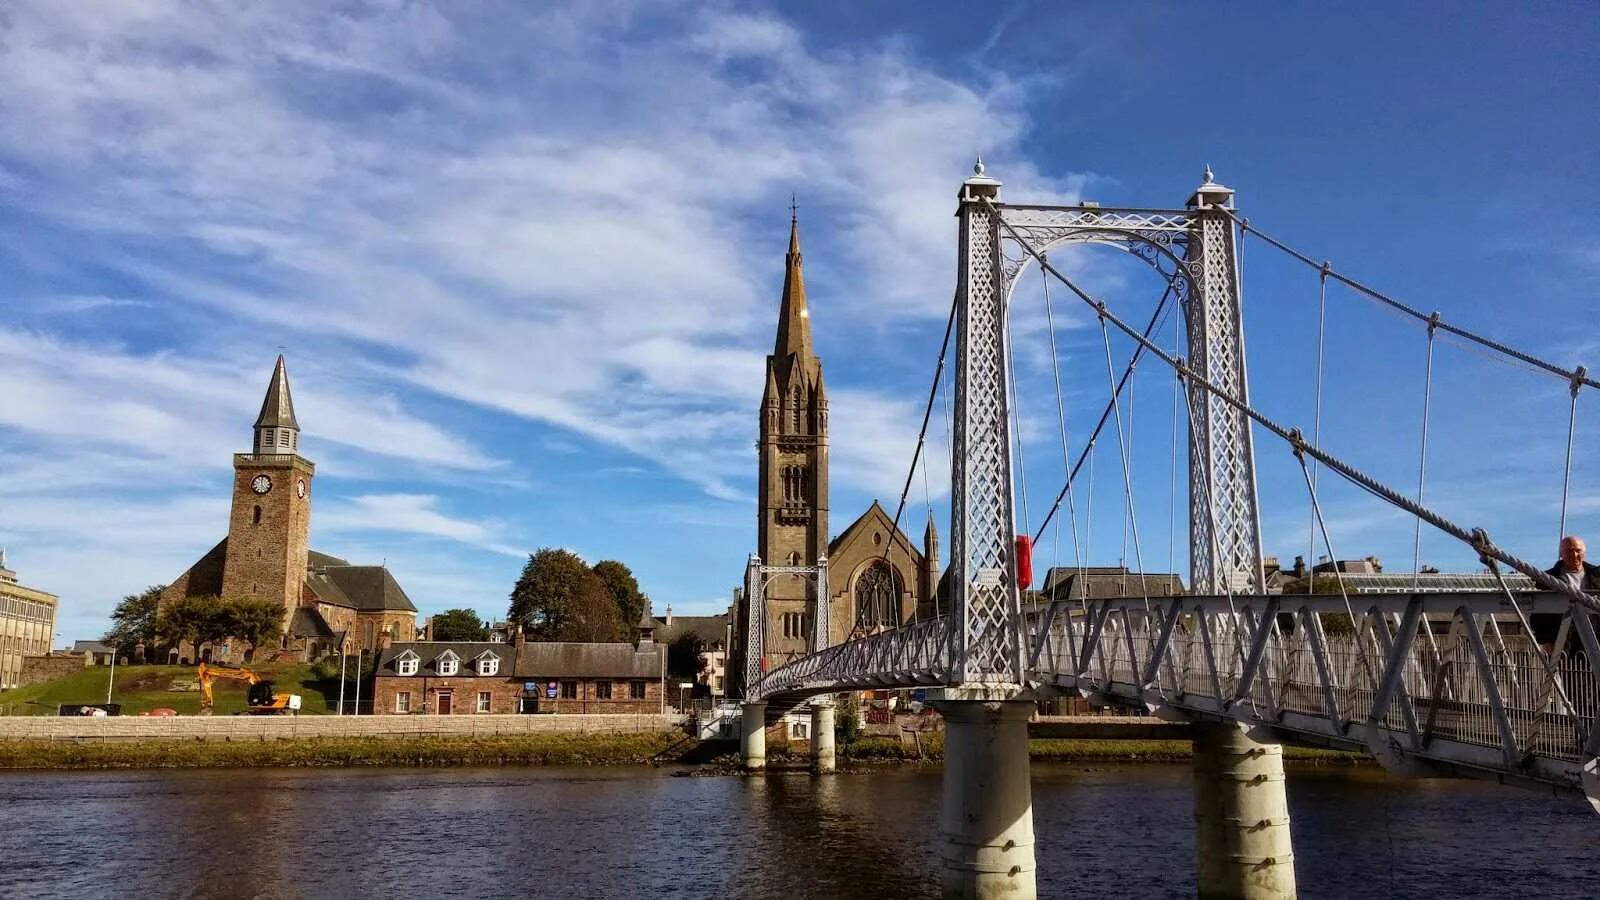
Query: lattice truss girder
1193, 249
756, 579
1472, 698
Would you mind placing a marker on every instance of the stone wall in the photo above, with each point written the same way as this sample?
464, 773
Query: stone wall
265, 728
47, 667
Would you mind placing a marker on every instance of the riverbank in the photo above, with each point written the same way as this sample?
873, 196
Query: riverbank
640, 748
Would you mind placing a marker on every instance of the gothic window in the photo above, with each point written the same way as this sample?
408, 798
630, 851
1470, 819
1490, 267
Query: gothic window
796, 409
794, 559
796, 624
255, 518
878, 597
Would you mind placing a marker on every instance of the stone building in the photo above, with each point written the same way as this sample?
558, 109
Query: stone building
877, 578
453, 678
446, 678
711, 632
27, 624
267, 553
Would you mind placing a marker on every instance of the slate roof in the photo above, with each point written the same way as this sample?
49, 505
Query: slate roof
712, 630
365, 588
555, 660
308, 623
430, 651
277, 410
90, 647
1101, 582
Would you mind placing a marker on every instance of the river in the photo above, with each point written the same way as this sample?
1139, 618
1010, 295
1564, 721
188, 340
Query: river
1104, 831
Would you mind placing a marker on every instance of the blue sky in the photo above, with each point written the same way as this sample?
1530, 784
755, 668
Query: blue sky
524, 261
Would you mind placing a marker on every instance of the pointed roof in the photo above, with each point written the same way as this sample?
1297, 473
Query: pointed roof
794, 319
277, 410
931, 533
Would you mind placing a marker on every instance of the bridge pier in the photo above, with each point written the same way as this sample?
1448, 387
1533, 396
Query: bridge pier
822, 746
753, 736
1241, 816
988, 801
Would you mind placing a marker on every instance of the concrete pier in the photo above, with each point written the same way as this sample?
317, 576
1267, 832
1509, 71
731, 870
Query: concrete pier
753, 736
988, 802
822, 748
1241, 816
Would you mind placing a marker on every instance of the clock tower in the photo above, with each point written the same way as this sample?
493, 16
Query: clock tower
269, 527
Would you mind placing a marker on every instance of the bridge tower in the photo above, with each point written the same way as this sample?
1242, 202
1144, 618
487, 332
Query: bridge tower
988, 803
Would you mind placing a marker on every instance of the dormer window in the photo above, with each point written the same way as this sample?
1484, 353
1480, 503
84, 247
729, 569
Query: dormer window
489, 665
448, 663
407, 663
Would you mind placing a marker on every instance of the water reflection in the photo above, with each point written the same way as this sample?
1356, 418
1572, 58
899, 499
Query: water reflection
1103, 831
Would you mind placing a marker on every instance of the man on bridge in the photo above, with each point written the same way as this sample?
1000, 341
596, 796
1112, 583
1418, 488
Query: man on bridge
1576, 573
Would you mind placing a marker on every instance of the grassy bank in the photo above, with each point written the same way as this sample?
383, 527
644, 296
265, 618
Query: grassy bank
143, 688
1081, 750
520, 750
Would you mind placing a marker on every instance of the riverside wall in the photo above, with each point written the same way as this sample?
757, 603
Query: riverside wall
268, 728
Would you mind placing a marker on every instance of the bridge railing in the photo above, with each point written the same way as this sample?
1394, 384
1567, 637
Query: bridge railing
916, 655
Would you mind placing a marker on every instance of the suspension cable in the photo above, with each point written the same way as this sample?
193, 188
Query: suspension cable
1127, 478
1157, 318
1172, 499
1576, 376
1478, 539
1422, 456
1316, 412
1016, 420
1572, 424
1061, 418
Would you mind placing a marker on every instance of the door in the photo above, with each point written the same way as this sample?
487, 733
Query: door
444, 703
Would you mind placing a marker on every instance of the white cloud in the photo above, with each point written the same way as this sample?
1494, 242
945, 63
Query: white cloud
411, 514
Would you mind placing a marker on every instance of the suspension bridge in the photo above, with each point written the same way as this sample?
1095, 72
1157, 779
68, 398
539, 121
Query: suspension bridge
1429, 682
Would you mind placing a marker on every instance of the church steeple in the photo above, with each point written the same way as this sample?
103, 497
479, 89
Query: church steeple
276, 428
794, 319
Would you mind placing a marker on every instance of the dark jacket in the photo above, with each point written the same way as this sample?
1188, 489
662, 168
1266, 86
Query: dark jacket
1547, 625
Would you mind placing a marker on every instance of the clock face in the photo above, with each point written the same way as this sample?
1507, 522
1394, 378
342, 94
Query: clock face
300, 488
261, 484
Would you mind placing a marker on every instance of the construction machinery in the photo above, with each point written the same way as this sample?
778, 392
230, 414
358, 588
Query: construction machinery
260, 699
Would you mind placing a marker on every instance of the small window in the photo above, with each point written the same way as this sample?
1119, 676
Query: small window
255, 519
448, 664
636, 690
489, 665
569, 690
483, 701
402, 699
602, 690
407, 666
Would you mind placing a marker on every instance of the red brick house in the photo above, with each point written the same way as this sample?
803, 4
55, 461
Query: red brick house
448, 678
594, 678
485, 677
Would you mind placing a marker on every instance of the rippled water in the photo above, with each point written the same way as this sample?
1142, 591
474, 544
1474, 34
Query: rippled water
1103, 831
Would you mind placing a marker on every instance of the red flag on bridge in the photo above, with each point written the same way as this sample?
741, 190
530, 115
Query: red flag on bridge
1024, 561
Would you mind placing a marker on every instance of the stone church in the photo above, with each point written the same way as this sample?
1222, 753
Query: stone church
267, 554
877, 578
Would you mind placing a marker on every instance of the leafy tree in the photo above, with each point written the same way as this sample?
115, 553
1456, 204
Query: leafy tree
686, 658
459, 625
255, 622
624, 589
199, 620
134, 621
559, 598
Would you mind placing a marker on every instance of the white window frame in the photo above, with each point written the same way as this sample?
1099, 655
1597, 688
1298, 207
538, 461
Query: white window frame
448, 663
485, 702
402, 702
489, 665
407, 663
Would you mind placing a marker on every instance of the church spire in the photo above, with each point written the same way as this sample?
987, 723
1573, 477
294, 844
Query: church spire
276, 428
794, 319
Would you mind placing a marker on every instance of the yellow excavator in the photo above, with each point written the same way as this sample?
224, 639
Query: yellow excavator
260, 700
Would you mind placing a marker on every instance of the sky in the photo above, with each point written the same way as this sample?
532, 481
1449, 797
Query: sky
524, 261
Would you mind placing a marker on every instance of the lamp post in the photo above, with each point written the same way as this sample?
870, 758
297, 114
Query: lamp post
111, 677
343, 648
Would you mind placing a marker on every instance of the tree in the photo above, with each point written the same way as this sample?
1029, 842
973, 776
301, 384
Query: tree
624, 588
202, 619
686, 658
134, 621
559, 598
459, 625
255, 622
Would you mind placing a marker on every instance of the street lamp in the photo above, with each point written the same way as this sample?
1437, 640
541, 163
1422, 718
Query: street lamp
111, 677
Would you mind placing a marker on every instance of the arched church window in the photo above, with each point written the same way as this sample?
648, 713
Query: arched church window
794, 559
255, 518
878, 597
796, 409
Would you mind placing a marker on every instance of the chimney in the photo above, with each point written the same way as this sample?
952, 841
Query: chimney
517, 637
669, 615
1299, 567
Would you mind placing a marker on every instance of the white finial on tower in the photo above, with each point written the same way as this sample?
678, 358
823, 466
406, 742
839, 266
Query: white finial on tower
977, 167
1208, 177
